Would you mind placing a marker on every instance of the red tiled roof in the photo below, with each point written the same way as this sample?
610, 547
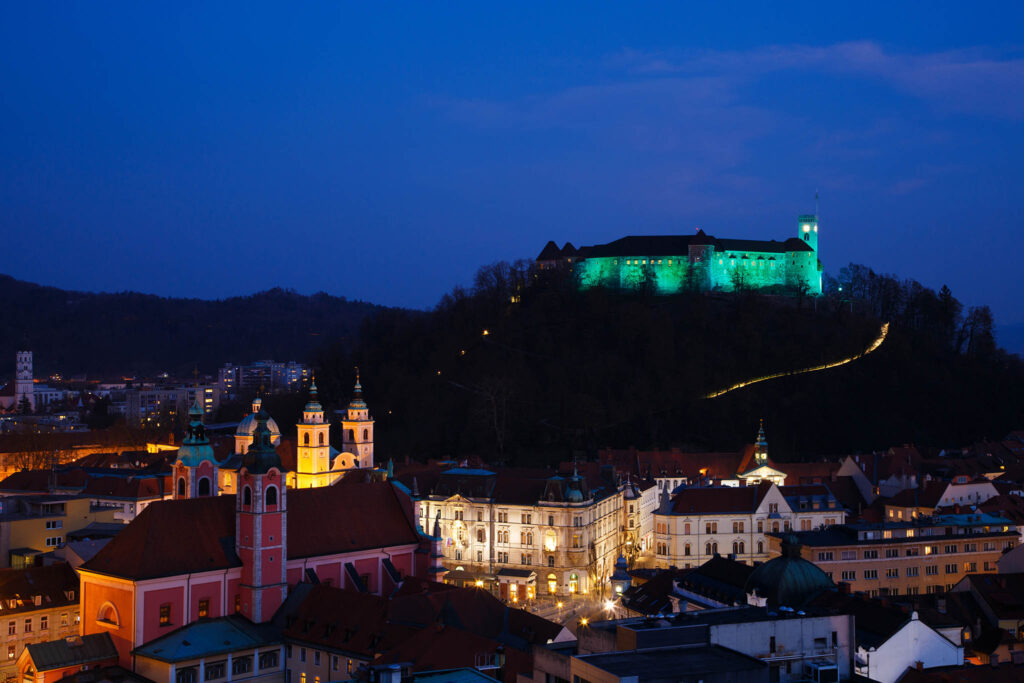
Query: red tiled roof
39, 480
177, 537
720, 499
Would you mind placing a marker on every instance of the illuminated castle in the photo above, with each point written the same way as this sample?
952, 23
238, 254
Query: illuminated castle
671, 263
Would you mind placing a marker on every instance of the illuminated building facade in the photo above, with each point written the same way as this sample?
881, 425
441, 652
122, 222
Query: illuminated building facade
22, 389
926, 555
667, 264
531, 533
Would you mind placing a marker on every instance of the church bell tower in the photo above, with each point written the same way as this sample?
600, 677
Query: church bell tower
358, 428
313, 467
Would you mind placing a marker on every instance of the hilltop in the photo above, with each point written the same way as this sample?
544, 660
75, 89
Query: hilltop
561, 372
128, 332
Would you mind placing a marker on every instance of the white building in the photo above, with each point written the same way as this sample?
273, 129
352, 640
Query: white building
532, 533
22, 388
700, 522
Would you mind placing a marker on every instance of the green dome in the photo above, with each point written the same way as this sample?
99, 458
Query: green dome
195, 447
788, 580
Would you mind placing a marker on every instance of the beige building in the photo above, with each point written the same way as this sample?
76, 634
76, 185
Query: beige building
927, 555
700, 522
34, 525
531, 533
37, 604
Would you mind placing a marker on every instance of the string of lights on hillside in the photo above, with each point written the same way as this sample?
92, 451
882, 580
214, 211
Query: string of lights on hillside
789, 373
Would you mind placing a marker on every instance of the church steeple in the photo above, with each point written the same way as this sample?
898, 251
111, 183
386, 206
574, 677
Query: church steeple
261, 517
761, 445
195, 469
357, 435
313, 466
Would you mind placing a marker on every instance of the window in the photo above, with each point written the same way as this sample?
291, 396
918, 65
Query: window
186, 675
321, 438
479, 535
912, 571
711, 527
316, 657
181, 487
970, 547
892, 573
952, 569
302, 654
55, 524
271, 496
870, 554
64, 618
913, 552
305, 439
204, 608
241, 665
334, 662
737, 527
686, 549
165, 614
848, 555
479, 515
892, 552
849, 575
215, 670
247, 496
825, 556
551, 560
526, 518
10, 652
28, 626
12, 628
805, 525
686, 529
870, 573
951, 548
760, 547
551, 520
968, 568
931, 570
44, 623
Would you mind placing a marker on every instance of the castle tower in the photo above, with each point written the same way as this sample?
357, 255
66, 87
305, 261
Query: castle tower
313, 467
807, 230
23, 386
261, 516
195, 470
358, 428
761, 447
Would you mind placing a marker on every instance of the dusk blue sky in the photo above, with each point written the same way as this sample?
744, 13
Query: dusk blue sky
385, 152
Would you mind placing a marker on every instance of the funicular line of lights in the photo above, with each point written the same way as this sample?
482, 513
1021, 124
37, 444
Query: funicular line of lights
789, 373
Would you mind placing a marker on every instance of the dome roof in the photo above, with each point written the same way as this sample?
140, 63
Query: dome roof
788, 580
314, 404
248, 424
195, 447
574, 496
261, 456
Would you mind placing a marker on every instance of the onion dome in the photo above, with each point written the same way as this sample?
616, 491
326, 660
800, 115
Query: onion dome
788, 580
357, 402
195, 447
262, 456
314, 405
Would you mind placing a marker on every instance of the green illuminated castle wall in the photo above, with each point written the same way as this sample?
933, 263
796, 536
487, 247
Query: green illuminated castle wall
706, 264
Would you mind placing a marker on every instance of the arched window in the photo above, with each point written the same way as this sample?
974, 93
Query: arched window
760, 547
305, 439
204, 486
686, 549
247, 496
351, 434
735, 547
181, 487
742, 548
775, 527
271, 495
714, 548
321, 438
479, 535
108, 614
366, 435
707, 548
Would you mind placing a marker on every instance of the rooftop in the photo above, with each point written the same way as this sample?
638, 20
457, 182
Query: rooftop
208, 637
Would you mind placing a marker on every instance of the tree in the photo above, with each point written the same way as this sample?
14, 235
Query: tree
24, 406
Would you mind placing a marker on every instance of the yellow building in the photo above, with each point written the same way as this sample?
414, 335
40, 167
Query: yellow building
34, 525
37, 604
928, 555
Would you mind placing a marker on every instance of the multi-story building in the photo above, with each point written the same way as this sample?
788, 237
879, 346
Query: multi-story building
38, 604
149, 405
262, 375
701, 522
927, 555
530, 532
34, 525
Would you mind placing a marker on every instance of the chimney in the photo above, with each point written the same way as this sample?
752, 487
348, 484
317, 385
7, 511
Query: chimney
940, 604
919, 665
993, 659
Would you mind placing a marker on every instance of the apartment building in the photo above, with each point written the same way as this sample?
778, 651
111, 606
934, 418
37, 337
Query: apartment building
34, 525
38, 604
527, 532
700, 522
927, 555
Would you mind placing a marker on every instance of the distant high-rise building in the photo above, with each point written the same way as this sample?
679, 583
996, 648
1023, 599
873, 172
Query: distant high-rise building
265, 376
